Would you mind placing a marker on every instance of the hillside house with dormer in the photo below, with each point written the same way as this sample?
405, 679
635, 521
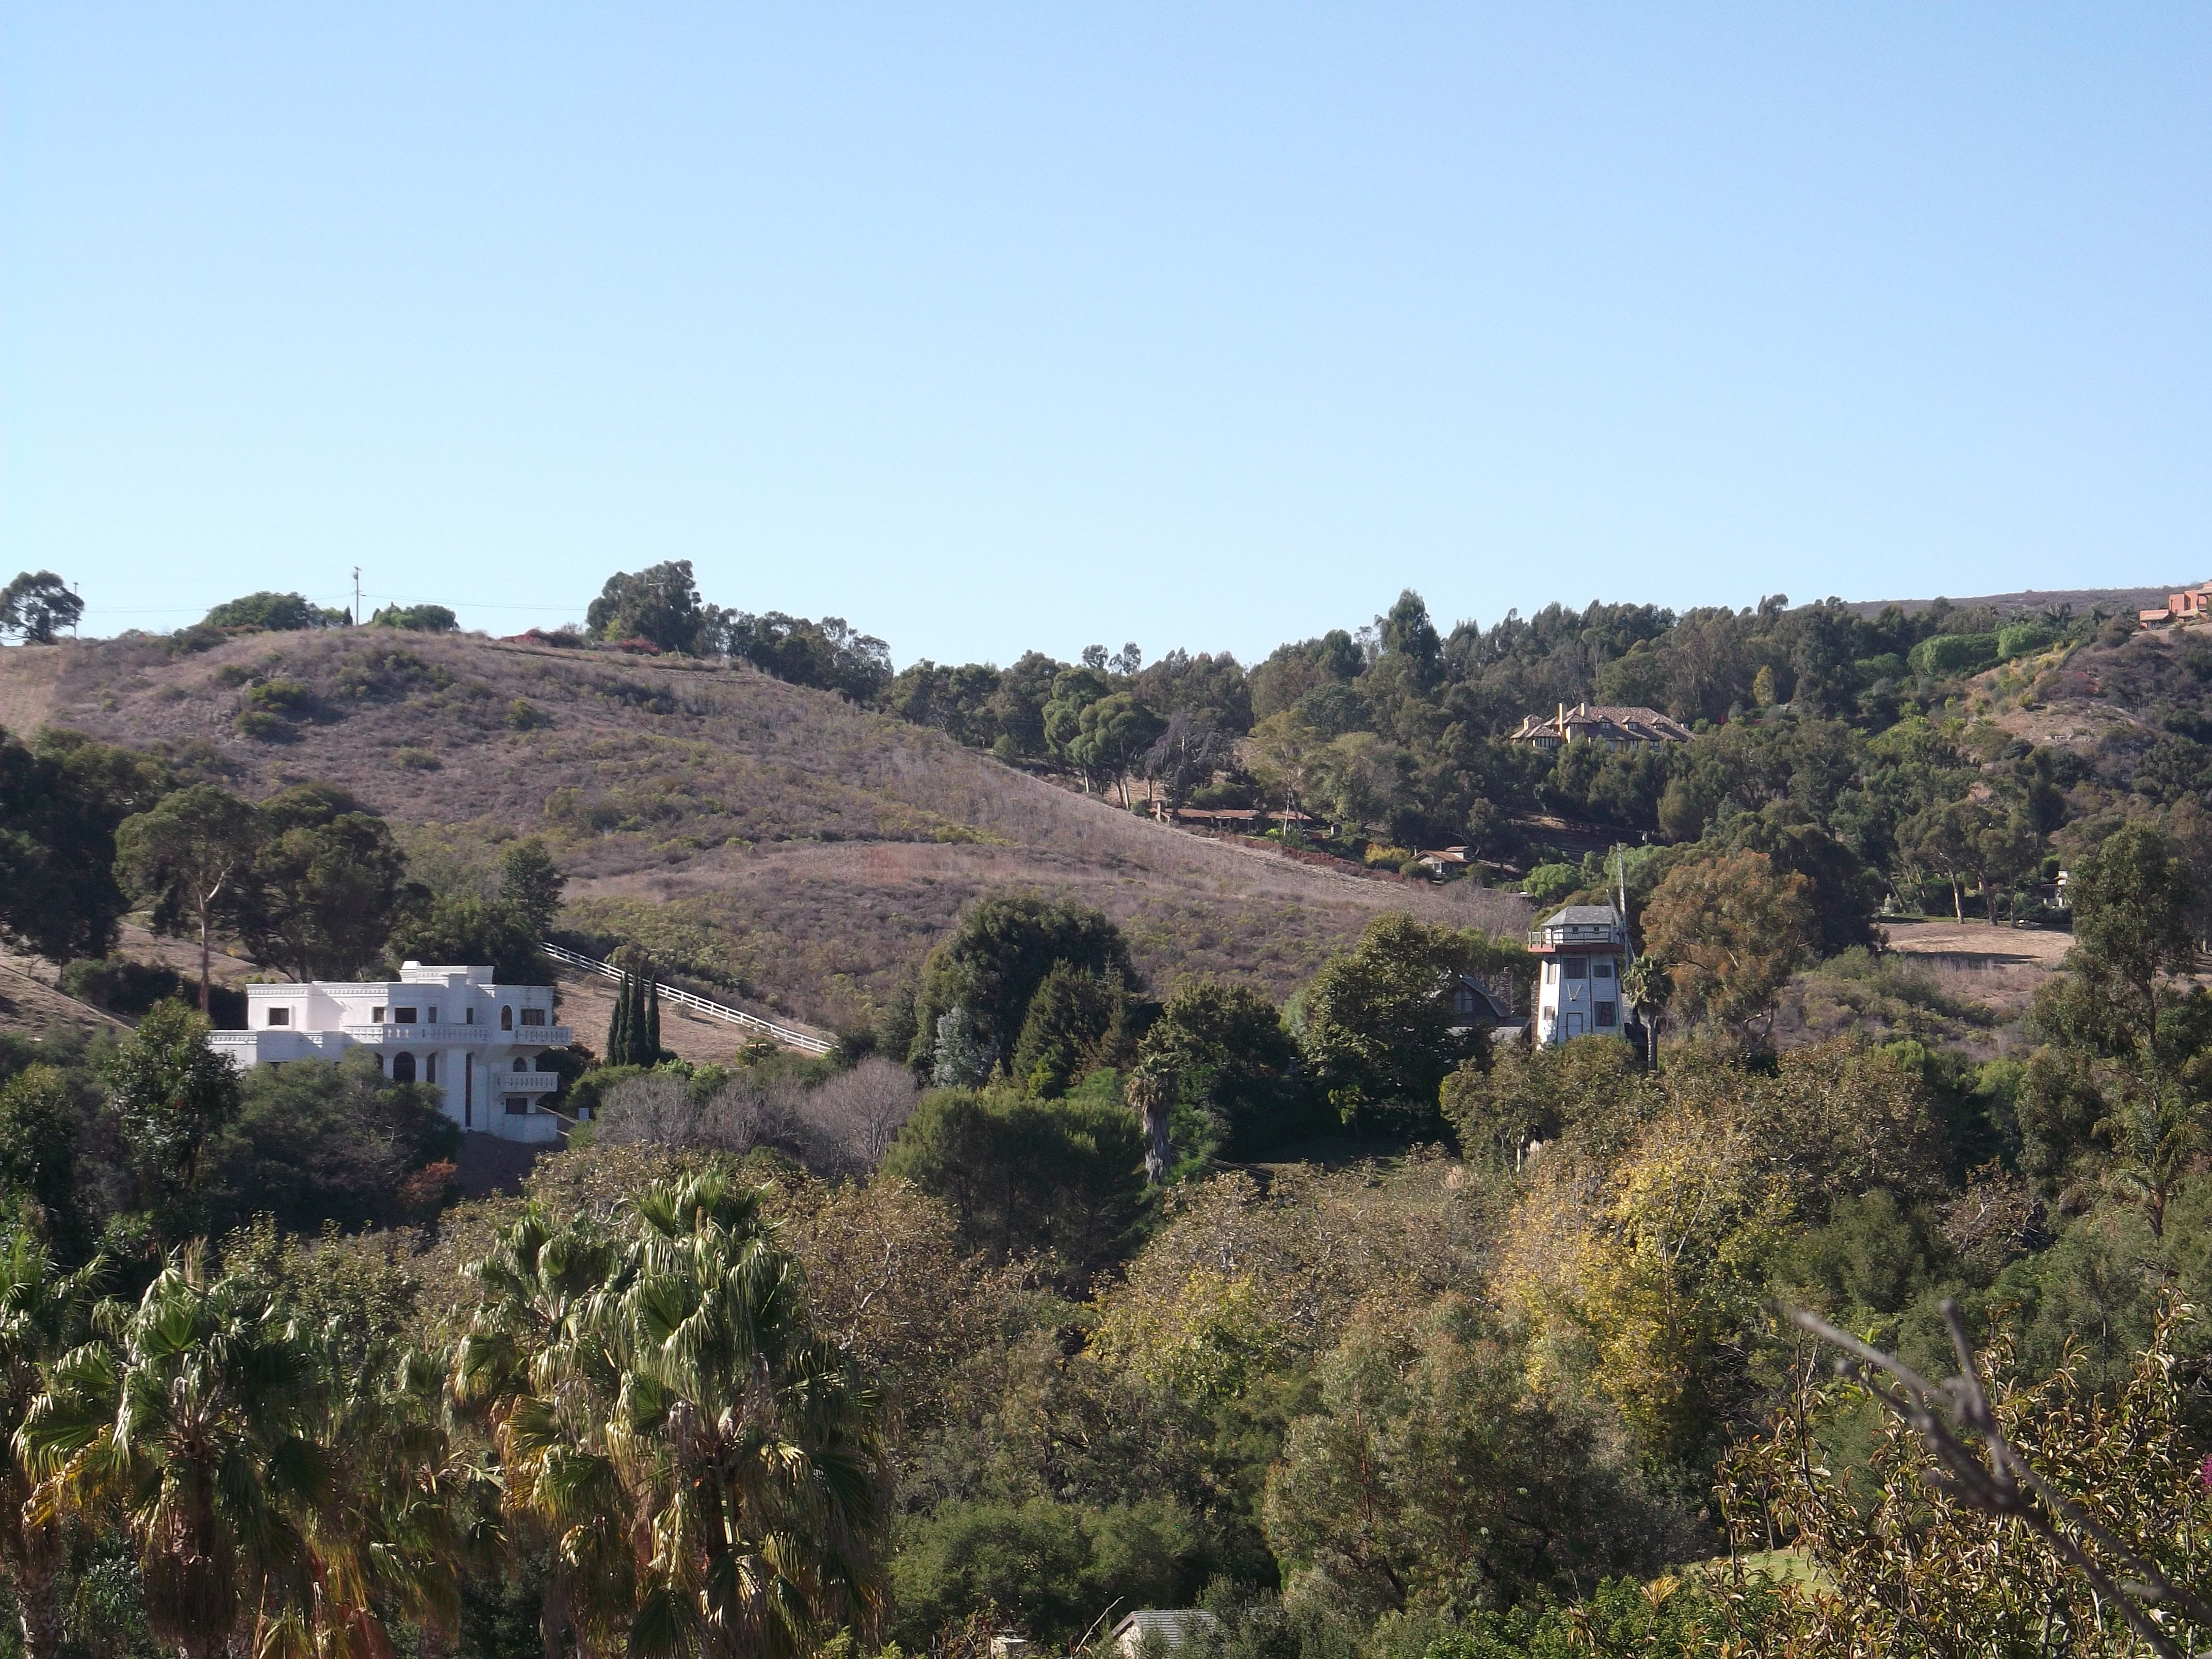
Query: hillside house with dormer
1614, 726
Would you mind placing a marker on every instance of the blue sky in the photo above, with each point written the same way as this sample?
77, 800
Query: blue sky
988, 328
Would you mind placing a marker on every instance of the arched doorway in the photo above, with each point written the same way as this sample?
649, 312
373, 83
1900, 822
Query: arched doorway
403, 1068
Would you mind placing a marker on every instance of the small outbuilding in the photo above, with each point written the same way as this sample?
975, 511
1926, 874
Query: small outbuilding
1164, 1628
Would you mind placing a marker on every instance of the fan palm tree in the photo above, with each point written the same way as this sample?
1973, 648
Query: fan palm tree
531, 1368
745, 1443
2155, 1137
390, 1537
191, 1418
706, 1465
42, 1313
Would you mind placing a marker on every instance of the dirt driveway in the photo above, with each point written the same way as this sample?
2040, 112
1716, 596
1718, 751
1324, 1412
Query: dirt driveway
1978, 944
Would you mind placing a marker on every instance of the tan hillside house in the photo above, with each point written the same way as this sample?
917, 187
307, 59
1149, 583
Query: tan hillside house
2193, 606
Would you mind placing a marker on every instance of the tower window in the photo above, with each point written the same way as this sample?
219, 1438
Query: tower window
280, 1016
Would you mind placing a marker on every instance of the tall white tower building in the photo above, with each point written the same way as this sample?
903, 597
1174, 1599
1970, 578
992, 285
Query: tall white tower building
1583, 949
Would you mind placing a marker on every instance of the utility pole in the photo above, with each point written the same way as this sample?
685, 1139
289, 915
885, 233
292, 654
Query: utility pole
356, 596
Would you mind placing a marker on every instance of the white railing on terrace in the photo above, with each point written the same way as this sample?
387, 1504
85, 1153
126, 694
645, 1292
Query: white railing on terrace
1578, 932
391, 1036
790, 1036
522, 1083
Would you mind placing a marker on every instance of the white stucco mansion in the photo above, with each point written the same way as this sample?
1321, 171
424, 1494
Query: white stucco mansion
1581, 949
484, 1045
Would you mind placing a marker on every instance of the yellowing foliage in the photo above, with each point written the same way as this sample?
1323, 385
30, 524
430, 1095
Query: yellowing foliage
1202, 1338
1639, 1253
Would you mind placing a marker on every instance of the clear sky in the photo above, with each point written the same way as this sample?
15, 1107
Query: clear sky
988, 328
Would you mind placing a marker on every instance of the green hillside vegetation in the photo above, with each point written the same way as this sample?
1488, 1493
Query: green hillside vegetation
1157, 1233
1479, 1396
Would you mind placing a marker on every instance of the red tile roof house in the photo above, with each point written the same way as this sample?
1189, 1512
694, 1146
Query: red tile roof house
2192, 606
1615, 726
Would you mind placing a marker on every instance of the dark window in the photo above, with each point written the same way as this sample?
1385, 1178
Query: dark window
429, 1068
505, 1017
434, 1016
376, 1016
280, 1016
403, 1068
1602, 967
1605, 1015
1463, 999
517, 1105
470, 1017
403, 1016
533, 1016
1577, 967
520, 1064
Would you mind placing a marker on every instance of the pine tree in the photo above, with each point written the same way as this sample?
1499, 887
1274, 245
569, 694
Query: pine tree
652, 1020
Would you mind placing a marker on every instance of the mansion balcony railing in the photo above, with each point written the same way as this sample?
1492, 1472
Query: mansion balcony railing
388, 1036
522, 1083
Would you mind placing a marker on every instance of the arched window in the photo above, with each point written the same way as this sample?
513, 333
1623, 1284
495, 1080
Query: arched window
505, 1017
520, 1064
403, 1068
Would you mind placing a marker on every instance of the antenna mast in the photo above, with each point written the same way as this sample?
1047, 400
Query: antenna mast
356, 596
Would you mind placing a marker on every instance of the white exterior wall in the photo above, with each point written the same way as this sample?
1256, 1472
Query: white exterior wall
467, 1030
1568, 1007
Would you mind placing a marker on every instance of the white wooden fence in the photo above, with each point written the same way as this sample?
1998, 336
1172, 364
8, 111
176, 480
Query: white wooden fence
789, 1035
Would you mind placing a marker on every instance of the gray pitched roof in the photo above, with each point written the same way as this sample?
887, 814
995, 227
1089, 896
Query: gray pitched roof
1582, 915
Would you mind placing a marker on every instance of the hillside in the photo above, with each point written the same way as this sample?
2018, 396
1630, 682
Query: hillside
2110, 703
779, 841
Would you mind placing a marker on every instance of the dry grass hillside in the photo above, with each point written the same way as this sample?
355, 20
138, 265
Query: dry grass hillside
776, 840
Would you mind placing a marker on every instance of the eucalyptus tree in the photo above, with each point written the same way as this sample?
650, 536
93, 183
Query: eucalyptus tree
192, 856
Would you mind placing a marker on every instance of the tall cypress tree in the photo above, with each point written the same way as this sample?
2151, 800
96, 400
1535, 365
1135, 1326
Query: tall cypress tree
653, 1020
618, 1027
